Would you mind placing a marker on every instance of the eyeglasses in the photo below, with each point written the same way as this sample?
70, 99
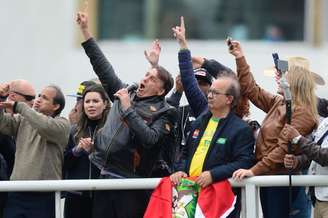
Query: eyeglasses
215, 92
27, 97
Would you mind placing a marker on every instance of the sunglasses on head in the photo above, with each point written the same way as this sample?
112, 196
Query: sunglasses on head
27, 97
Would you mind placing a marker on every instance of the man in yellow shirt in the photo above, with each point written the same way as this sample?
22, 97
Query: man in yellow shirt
219, 141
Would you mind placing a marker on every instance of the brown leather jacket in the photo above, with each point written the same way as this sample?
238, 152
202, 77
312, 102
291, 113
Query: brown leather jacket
271, 145
311, 151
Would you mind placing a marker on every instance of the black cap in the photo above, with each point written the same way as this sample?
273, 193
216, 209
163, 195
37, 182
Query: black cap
203, 74
83, 85
215, 68
322, 107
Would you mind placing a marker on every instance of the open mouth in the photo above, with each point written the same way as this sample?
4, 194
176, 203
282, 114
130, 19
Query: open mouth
141, 87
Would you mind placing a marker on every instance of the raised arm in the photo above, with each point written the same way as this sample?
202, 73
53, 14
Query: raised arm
82, 21
99, 62
8, 123
195, 97
153, 53
53, 129
258, 96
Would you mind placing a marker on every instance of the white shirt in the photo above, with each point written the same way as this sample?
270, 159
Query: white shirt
321, 193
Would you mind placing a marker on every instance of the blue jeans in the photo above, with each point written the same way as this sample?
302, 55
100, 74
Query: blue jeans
302, 205
275, 201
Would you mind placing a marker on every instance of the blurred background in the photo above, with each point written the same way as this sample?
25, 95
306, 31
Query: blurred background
41, 42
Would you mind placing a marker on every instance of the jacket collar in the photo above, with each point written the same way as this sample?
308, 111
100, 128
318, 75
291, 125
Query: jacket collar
154, 98
207, 115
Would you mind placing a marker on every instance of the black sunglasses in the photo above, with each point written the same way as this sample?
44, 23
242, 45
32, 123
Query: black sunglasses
27, 97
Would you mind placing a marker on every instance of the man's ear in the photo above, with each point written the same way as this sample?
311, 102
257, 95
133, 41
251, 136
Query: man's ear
230, 99
161, 92
56, 107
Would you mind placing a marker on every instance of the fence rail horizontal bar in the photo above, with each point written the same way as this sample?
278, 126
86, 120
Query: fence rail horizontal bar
147, 183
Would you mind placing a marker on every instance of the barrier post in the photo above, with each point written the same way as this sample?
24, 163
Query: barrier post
251, 201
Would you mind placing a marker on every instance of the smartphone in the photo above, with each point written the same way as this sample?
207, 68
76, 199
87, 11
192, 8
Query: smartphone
282, 65
229, 39
275, 57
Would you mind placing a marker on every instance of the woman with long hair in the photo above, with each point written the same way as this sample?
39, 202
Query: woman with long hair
77, 164
271, 144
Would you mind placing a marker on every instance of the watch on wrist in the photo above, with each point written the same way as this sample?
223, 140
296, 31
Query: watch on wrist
3, 98
296, 139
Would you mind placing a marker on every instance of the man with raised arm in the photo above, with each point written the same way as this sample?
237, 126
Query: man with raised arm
138, 124
41, 136
219, 141
16, 90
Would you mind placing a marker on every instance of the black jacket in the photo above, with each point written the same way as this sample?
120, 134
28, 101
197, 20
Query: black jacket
232, 146
78, 166
130, 141
7, 149
185, 118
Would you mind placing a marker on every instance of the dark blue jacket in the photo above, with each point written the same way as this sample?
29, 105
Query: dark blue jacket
231, 148
195, 97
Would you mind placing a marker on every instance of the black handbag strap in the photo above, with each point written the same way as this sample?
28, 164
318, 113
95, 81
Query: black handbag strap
322, 138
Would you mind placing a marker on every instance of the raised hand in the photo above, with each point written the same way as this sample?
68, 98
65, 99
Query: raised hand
152, 54
277, 76
235, 49
197, 61
8, 106
74, 114
4, 89
179, 33
82, 20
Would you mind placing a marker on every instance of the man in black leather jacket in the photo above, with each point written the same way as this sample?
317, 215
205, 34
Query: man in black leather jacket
137, 125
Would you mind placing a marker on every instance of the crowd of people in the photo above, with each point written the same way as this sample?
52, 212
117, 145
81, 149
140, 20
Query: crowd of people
137, 131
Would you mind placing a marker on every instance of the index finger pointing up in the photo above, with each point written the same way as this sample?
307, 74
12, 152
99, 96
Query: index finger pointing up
182, 24
86, 6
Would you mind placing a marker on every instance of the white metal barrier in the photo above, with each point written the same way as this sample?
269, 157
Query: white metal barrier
250, 187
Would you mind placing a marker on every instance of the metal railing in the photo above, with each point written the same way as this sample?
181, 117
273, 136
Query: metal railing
250, 187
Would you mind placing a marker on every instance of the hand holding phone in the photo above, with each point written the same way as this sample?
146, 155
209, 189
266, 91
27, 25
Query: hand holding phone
229, 43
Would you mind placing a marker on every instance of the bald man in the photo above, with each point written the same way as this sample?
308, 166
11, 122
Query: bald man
17, 90
20, 91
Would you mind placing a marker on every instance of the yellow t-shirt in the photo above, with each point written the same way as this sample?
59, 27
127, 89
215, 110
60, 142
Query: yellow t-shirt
198, 159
